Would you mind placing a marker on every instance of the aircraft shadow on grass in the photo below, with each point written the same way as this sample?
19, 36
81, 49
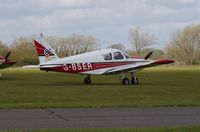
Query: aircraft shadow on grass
75, 84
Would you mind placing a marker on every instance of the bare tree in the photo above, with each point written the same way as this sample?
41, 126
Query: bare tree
185, 45
117, 46
3, 49
140, 39
72, 45
77, 44
157, 53
23, 51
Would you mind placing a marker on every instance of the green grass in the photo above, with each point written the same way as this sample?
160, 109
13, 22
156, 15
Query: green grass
177, 129
162, 86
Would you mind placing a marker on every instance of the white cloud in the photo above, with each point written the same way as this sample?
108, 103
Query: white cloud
109, 21
72, 3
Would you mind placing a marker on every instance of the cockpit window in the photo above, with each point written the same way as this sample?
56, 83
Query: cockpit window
107, 56
126, 56
118, 55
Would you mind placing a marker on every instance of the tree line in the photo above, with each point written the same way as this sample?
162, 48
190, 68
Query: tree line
183, 46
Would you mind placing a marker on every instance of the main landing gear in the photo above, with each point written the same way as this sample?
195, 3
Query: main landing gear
125, 81
88, 80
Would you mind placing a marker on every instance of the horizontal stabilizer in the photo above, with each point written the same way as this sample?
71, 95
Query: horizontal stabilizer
31, 66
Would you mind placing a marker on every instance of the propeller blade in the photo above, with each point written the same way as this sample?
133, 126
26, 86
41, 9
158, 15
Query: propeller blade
147, 56
6, 57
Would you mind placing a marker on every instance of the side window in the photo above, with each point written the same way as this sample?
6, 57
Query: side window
118, 55
107, 56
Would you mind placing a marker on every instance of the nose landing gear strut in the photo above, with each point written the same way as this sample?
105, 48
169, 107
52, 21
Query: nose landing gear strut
87, 79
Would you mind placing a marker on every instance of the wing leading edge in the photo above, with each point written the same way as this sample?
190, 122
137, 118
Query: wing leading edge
136, 67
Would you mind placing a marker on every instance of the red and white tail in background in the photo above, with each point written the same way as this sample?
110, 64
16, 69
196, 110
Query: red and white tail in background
44, 50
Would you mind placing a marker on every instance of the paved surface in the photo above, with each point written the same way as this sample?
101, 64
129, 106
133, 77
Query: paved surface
98, 118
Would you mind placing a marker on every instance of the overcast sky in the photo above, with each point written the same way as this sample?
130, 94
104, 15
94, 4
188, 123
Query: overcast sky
107, 20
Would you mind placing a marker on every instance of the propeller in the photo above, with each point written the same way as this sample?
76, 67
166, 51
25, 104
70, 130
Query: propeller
147, 56
8, 54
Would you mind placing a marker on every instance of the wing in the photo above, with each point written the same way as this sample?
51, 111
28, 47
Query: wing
31, 66
41, 66
136, 67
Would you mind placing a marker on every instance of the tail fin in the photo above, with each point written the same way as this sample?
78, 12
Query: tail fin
44, 51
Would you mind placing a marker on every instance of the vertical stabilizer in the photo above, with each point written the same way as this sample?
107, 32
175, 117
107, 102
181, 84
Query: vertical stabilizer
44, 50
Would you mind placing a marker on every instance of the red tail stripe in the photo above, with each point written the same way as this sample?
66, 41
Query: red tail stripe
40, 49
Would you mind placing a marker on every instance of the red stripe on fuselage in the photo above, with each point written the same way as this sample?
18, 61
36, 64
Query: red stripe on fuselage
84, 67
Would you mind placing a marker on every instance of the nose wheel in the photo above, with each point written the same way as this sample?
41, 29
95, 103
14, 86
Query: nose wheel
87, 80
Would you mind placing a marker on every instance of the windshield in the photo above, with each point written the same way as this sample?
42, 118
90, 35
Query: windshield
127, 56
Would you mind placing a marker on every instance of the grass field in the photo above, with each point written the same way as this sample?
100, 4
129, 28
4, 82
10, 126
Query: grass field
162, 86
177, 129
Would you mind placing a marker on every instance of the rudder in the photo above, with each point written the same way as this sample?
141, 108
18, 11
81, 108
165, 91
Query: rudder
44, 51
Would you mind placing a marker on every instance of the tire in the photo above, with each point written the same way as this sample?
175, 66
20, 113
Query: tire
87, 80
125, 81
134, 80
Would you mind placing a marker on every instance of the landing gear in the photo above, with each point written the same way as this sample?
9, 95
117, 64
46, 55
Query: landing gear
87, 80
125, 81
134, 80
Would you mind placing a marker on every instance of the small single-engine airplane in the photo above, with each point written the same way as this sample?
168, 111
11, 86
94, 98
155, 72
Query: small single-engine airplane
5, 62
99, 62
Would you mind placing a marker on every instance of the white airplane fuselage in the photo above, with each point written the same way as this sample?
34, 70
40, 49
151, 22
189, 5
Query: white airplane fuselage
91, 63
106, 61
